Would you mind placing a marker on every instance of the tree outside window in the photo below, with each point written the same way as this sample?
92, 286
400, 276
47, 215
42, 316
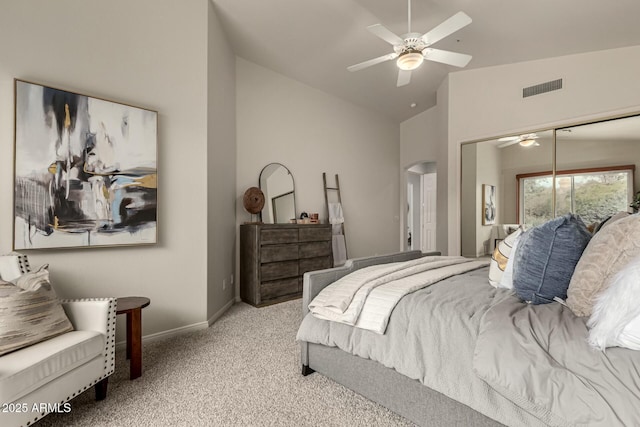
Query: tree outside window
594, 194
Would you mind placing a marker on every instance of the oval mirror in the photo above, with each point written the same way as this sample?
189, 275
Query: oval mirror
276, 182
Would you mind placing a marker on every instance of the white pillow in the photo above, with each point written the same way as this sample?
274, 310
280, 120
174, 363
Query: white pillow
630, 335
507, 276
501, 256
615, 320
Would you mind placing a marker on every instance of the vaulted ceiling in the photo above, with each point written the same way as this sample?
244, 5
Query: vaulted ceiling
315, 41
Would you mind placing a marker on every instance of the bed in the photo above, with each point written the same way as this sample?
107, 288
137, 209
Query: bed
460, 352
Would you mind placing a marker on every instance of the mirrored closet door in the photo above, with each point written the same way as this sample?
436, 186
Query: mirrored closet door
587, 169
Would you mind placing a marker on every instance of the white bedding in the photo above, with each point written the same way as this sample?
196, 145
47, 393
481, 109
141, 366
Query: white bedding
366, 298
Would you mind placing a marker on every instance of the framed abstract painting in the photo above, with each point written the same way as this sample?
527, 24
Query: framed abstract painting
85, 170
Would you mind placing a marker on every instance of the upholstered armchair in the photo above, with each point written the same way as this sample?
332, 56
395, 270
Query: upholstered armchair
44, 376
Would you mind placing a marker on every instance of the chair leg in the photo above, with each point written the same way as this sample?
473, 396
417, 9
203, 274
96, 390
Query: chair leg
306, 370
101, 389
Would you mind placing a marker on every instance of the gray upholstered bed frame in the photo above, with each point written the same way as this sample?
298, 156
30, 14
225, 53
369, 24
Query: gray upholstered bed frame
371, 379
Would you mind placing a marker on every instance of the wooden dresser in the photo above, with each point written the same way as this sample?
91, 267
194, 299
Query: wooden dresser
273, 258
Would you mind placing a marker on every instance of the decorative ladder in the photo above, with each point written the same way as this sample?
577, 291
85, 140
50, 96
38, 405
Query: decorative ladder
326, 202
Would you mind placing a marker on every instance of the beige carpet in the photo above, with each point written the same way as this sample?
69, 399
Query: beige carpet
242, 371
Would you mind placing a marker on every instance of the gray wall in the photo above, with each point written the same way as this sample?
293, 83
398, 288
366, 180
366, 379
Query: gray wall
311, 132
469, 196
158, 54
488, 171
221, 169
422, 139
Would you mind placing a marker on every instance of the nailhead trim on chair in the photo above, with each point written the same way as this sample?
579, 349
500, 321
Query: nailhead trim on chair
23, 262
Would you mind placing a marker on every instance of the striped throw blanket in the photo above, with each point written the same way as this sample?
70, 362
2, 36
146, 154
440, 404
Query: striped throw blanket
366, 298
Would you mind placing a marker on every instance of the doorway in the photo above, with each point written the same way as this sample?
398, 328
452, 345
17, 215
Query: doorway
421, 223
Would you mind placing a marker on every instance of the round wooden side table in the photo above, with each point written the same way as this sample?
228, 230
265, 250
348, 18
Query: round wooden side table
132, 307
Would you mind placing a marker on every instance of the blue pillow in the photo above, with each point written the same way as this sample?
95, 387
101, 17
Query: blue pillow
546, 257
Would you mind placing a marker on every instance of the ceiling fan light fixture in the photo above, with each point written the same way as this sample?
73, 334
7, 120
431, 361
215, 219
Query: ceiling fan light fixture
410, 60
527, 142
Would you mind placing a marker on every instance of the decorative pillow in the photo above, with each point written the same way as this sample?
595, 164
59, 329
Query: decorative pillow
500, 257
12, 266
30, 312
546, 257
616, 313
609, 250
507, 277
610, 220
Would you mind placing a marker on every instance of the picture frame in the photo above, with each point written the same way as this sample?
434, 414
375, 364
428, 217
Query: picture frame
85, 170
489, 207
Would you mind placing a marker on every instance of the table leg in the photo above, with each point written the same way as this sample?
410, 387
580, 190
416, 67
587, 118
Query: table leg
129, 322
134, 326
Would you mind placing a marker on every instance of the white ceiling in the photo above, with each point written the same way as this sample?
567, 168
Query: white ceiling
314, 41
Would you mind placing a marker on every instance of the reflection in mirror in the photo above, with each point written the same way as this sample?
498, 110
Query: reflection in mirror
595, 178
595, 168
276, 182
509, 164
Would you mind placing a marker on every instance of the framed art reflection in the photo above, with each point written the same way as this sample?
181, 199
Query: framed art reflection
488, 204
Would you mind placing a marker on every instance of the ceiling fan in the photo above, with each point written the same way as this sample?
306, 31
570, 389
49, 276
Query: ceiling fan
526, 140
412, 48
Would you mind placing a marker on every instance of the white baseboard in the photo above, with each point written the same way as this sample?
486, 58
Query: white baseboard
181, 330
220, 312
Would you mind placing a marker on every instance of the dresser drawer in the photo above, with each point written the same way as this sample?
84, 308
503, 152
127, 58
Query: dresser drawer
275, 236
278, 270
279, 288
314, 233
312, 264
314, 249
271, 253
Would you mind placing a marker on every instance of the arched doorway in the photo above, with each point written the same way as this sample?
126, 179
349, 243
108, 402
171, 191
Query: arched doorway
421, 223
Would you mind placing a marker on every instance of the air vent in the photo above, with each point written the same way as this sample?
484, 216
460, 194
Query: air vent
542, 88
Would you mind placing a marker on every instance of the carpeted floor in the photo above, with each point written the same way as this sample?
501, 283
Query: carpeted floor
242, 371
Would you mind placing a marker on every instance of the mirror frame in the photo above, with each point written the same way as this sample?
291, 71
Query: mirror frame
293, 191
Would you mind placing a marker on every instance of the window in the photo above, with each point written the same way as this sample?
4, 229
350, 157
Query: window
537, 200
594, 194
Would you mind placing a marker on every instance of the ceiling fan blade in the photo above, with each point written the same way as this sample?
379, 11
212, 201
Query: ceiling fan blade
373, 61
509, 138
404, 77
508, 143
446, 57
450, 26
385, 34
